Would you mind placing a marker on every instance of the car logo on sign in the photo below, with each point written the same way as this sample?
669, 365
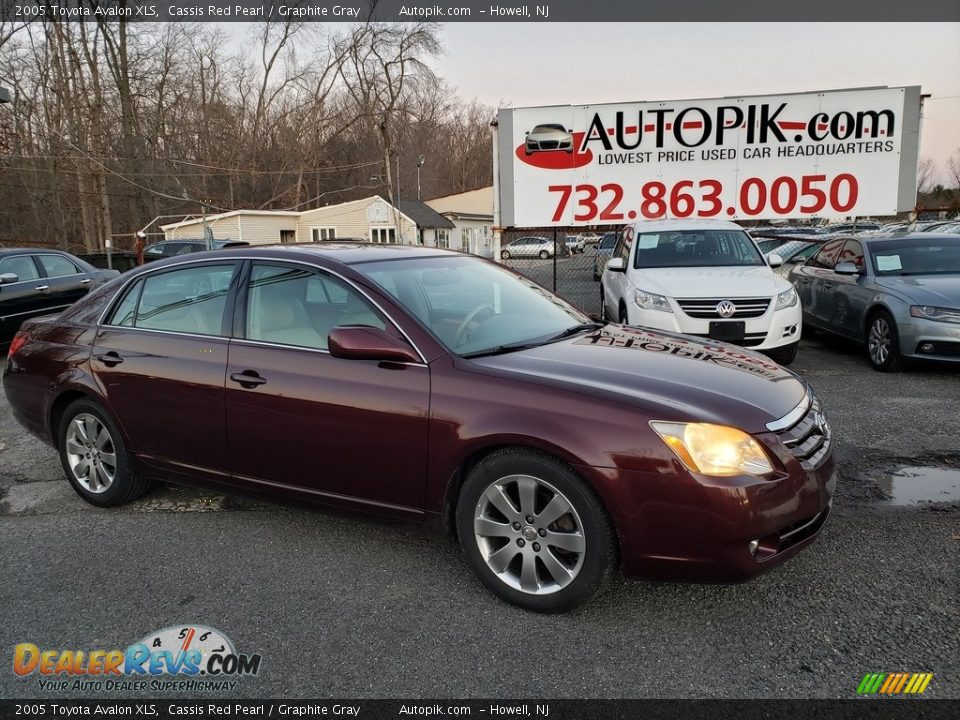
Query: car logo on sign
725, 308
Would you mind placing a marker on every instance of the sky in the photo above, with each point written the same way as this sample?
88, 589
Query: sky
518, 65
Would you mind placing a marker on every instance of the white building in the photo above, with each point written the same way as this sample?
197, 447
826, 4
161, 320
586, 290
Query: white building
472, 216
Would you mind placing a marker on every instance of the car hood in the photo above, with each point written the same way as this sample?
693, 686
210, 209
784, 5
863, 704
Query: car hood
679, 376
939, 290
713, 282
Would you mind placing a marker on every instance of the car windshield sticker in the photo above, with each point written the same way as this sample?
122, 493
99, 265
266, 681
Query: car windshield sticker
886, 263
646, 242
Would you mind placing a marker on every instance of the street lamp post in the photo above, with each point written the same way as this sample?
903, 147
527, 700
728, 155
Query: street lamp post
420, 161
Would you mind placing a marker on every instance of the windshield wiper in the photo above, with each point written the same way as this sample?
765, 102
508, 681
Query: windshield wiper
502, 349
576, 329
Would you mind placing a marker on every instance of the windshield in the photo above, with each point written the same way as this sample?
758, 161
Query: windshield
472, 306
937, 257
695, 248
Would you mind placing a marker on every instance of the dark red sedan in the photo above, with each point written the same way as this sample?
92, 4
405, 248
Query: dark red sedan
431, 385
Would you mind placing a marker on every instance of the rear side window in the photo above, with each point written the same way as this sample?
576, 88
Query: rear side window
20, 265
57, 265
188, 300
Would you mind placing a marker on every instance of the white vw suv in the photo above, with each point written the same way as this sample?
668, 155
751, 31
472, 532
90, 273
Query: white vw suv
704, 278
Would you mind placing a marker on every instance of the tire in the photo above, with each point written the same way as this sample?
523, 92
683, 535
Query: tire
504, 254
784, 355
883, 343
622, 315
536, 574
87, 430
544, 254
603, 306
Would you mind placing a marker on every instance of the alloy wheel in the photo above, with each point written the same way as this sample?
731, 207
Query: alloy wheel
529, 534
880, 341
91, 454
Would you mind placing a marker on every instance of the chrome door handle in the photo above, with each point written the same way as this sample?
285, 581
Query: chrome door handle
247, 378
41, 288
86, 281
110, 359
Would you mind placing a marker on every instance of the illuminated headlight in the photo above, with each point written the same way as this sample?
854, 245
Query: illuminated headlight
788, 298
714, 449
929, 312
651, 301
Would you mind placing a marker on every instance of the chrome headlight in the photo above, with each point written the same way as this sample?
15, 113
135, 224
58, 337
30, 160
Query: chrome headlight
929, 312
714, 449
788, 298
651, 301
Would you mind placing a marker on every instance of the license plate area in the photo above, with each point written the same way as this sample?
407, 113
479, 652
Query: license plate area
732, 331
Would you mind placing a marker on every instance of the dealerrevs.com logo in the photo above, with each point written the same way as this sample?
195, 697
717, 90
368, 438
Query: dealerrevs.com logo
180, 657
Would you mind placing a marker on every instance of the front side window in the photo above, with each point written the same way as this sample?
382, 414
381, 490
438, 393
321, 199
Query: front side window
188, 300
20, 265
852, 252
827, 257
57, 266
696, 248
296, 306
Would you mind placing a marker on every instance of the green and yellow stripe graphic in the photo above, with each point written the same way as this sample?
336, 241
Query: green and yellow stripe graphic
894, 683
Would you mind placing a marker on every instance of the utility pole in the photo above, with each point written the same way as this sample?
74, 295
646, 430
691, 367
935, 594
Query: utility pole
419, 165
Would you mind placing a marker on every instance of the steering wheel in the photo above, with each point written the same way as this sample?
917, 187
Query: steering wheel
461, 336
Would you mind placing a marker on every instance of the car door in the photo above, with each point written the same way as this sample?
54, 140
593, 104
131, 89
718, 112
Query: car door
68, 282
850, 293
352, 432
160, 357
24, 298
814, 283
616, 284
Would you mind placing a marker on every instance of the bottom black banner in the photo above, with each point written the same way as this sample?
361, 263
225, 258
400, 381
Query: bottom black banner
864, 708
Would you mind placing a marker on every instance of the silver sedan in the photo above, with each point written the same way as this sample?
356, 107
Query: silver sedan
900, 296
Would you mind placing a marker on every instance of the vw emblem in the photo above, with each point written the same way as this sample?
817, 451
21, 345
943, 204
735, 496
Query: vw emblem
822, 425
725, 308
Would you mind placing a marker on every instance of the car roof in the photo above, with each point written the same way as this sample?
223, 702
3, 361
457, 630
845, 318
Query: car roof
18, 251
658, 225
343, 252
914, 238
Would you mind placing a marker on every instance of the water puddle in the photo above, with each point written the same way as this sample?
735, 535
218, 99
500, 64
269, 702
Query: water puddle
914, 485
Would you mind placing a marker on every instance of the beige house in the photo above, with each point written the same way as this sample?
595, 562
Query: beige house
371, 218
472, 216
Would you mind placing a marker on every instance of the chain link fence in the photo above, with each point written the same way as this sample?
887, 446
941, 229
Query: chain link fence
564, 260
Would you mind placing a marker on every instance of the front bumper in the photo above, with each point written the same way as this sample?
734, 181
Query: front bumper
929, 339
773, 329
687, 526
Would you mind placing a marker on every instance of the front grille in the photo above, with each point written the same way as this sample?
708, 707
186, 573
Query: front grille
809, 438
549, 144
706, 308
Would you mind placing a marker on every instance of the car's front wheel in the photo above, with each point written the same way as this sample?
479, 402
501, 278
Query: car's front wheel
883, 343
603, 305
544, 254
504, 254
622, 315
784, 355
533, 531
94, 456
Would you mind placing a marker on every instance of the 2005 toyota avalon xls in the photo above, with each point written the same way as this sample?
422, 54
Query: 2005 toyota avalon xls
432, 385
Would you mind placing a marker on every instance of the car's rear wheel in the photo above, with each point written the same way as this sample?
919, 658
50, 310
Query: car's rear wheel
883, 343
533, 532
95, 458
544, 254
504, 254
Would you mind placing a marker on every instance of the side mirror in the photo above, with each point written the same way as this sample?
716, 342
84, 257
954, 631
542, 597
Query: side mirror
846, 268
8, 278
616, 265
360, 342
774, 260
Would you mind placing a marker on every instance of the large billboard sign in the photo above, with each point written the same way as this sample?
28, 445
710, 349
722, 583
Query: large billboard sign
821, 154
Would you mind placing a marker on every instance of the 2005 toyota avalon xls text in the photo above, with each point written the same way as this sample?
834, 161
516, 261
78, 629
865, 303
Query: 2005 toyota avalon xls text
432, 385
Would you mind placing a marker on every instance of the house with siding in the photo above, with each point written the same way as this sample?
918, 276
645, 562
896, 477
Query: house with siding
472, 216
372, 219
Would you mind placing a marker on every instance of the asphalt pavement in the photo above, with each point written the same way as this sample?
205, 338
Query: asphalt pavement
340, 606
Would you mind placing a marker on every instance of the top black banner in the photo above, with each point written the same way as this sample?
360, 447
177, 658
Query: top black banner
544, 11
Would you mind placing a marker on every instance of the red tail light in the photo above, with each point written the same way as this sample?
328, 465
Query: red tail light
19, 340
